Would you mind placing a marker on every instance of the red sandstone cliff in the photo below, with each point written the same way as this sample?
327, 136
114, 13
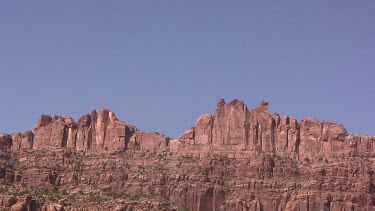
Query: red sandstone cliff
233, 127
95, 131
235, 159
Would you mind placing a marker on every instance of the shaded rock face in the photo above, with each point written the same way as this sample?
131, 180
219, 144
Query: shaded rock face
5, 141
84, 133
233, 127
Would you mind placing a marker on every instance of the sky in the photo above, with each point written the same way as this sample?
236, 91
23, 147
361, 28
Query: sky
161, 64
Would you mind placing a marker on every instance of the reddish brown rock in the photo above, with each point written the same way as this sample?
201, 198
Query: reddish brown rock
322, 139
103, 131
92, 142
111, 133
57, 133
261, 131
8, 201
286, 135
44, 120
23, 140
226, 129
84, 133
104, 119
184, 142
232, 127
188, 137
234, 159
97, 131
362, 146
203, 132
150, 141
5, 141
20, 206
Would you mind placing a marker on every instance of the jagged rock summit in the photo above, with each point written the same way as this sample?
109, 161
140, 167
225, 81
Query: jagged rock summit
93, 132
231, 128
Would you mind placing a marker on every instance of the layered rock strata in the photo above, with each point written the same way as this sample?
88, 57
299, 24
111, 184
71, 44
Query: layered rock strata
233, 159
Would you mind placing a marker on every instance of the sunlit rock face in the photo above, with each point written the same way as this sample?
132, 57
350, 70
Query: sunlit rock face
233, 127
93, 132
233, 159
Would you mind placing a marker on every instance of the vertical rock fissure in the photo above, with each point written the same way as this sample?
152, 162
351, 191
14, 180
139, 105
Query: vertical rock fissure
104, 135
64, 140
211, 130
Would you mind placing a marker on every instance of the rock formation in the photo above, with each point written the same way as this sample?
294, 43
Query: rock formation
234, 159
5, 141
233, 127
93, 132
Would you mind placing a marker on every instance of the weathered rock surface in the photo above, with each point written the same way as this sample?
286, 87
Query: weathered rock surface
234, 159
95, 131
233, 127
5, 141
54, 132
23, 140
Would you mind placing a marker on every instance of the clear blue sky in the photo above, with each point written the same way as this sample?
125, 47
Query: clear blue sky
161, 64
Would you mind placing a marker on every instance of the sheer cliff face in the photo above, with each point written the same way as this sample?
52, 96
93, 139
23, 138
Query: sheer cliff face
233, 159
233, 127
93, 132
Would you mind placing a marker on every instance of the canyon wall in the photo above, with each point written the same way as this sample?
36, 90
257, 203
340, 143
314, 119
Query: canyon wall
233, 159
93, 132
233, 127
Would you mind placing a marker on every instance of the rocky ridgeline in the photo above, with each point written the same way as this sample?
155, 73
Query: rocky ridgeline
93, 132
234, 128
235, 159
